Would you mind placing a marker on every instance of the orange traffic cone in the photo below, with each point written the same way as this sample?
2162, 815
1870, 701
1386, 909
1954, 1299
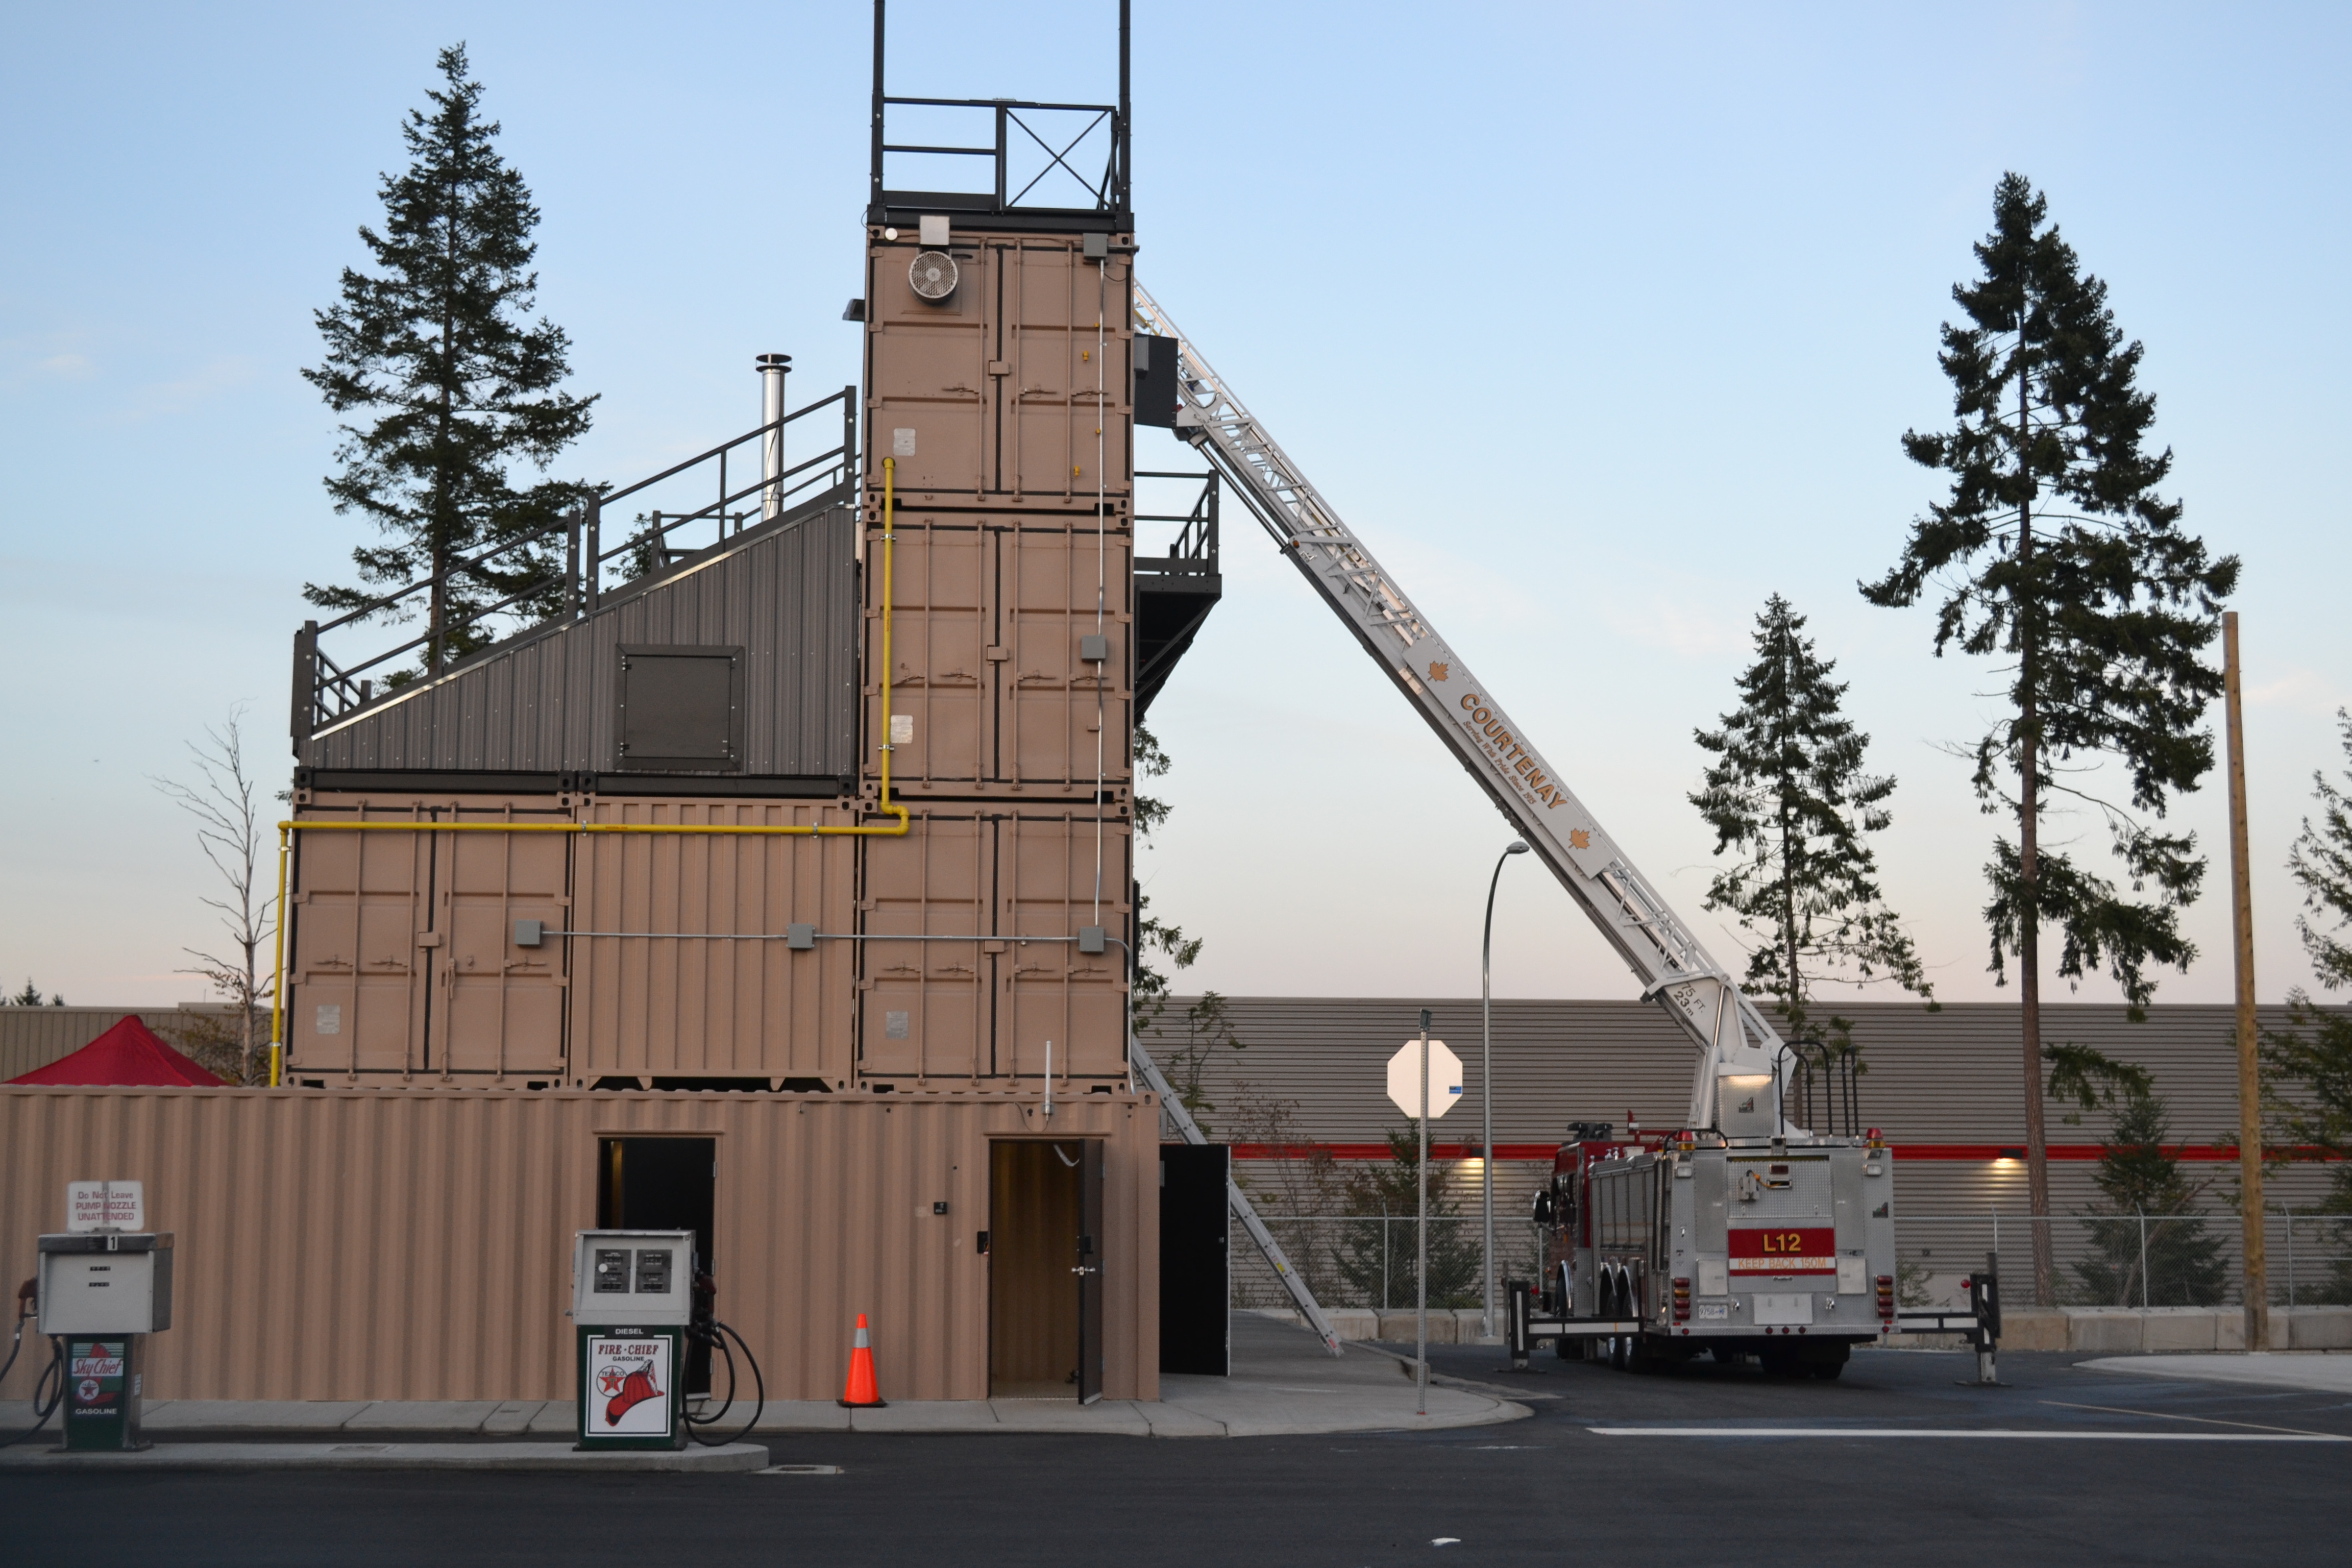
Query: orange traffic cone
861, 1394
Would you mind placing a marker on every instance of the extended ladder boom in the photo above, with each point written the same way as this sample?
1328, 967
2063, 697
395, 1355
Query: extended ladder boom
1675, 969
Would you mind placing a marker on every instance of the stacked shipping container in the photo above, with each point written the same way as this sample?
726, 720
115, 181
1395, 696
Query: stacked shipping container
951, 954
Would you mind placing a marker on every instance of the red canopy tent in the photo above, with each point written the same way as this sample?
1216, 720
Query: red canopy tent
127, 1055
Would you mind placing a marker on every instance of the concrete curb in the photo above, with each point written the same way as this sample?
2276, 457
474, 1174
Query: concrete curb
2315, 1370
734, 1458
1509, 1396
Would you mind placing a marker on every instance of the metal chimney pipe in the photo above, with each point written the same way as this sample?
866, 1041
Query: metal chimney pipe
774, 368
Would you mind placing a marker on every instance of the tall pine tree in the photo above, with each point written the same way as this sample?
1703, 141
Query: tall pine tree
2054, 554
1788, 793
449, 383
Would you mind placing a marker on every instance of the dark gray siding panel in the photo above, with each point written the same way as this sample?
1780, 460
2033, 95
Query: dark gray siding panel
789, 598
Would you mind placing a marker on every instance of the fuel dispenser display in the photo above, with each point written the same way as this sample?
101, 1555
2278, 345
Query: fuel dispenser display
632, 1300
101, 1294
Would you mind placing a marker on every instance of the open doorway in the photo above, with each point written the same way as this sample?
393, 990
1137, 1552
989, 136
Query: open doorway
663, 1183
1045, 1269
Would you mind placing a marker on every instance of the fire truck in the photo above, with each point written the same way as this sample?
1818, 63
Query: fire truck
1744, 1239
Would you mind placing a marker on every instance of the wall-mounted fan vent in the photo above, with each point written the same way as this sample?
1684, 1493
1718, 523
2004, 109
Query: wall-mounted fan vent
932, 275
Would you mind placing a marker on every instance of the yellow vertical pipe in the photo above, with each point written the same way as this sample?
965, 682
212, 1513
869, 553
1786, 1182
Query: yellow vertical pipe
889, 513
278, 968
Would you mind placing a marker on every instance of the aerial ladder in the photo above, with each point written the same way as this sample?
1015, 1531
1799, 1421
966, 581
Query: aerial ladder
1660, 1294
1674, 967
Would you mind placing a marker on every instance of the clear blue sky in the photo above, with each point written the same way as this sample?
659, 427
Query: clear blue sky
1601, 323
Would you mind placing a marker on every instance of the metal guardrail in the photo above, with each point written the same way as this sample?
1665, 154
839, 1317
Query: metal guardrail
328, 690
1195, 546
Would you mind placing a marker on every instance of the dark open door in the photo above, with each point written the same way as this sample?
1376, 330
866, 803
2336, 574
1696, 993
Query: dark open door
1088, 1268
1195, 1287
663, 1183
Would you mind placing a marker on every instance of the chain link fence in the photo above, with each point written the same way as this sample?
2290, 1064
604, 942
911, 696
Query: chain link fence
2191, 1260
1371, 1260
2113, 1260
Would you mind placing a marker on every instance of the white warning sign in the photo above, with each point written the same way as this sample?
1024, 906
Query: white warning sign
106, 1206
630, 1384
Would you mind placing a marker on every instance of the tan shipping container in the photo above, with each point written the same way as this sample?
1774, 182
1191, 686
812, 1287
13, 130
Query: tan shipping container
365, 1244
1019, 382
400, 958
654, 996
1022, 883
991, 689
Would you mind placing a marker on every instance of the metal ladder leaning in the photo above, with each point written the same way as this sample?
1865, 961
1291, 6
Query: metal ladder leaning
1235, 1199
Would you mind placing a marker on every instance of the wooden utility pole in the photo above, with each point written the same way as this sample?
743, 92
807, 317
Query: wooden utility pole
2242, 930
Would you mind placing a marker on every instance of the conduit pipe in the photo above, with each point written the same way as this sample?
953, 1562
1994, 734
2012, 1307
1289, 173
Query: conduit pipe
884, 805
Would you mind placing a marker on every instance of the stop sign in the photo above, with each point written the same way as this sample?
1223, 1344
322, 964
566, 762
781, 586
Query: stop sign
1444, 1079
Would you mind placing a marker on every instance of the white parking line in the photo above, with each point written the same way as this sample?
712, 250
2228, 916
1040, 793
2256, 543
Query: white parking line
1961, 1432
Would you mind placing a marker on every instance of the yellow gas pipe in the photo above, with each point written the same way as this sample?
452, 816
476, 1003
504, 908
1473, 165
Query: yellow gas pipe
286, 830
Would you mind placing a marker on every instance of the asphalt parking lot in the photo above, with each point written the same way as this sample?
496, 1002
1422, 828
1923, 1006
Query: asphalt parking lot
1716, 1461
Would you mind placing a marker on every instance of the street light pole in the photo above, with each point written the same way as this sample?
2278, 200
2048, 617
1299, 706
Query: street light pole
1487, 1092
1420, 1228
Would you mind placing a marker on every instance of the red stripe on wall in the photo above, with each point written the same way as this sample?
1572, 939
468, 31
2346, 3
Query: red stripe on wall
1545, 1152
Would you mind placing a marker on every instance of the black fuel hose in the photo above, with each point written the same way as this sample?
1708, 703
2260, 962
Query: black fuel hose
716, 1334
55, 1369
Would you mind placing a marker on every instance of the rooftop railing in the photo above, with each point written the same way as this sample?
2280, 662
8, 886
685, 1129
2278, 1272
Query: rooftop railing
750, 479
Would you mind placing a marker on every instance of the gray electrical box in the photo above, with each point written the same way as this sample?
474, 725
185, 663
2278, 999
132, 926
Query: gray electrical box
641, 1278
105, 1283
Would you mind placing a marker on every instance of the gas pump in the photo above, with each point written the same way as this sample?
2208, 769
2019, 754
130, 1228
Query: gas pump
101, 1293
632, 1298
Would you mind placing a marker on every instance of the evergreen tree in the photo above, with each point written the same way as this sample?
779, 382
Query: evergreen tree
1380, 1262
1150, 994
2308, 1063
2168, 1260
2054, 554
1788, 791
450, 385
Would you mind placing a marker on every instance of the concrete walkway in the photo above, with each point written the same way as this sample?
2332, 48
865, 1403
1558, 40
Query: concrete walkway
2314, 1370
1282, 1383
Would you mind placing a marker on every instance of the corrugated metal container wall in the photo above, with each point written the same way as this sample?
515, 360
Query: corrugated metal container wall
363, 1245
785, 592
678, 1005
988, 678
1024, 882
1017, 384
400, 956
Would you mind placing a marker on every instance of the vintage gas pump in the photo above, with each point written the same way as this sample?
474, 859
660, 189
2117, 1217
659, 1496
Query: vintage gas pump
104, 1287
632, 1298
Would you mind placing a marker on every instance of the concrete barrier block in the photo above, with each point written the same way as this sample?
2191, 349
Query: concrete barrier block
2033, 1329
2228, 1328
2108, 1331
2179, 1329
1354, 1323
2314, 1328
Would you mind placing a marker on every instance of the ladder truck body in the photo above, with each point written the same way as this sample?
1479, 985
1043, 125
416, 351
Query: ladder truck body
1740, 1233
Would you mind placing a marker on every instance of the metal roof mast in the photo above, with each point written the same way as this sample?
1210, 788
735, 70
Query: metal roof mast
1675, 970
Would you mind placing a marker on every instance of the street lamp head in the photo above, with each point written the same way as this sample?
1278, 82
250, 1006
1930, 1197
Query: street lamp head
1516, 846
